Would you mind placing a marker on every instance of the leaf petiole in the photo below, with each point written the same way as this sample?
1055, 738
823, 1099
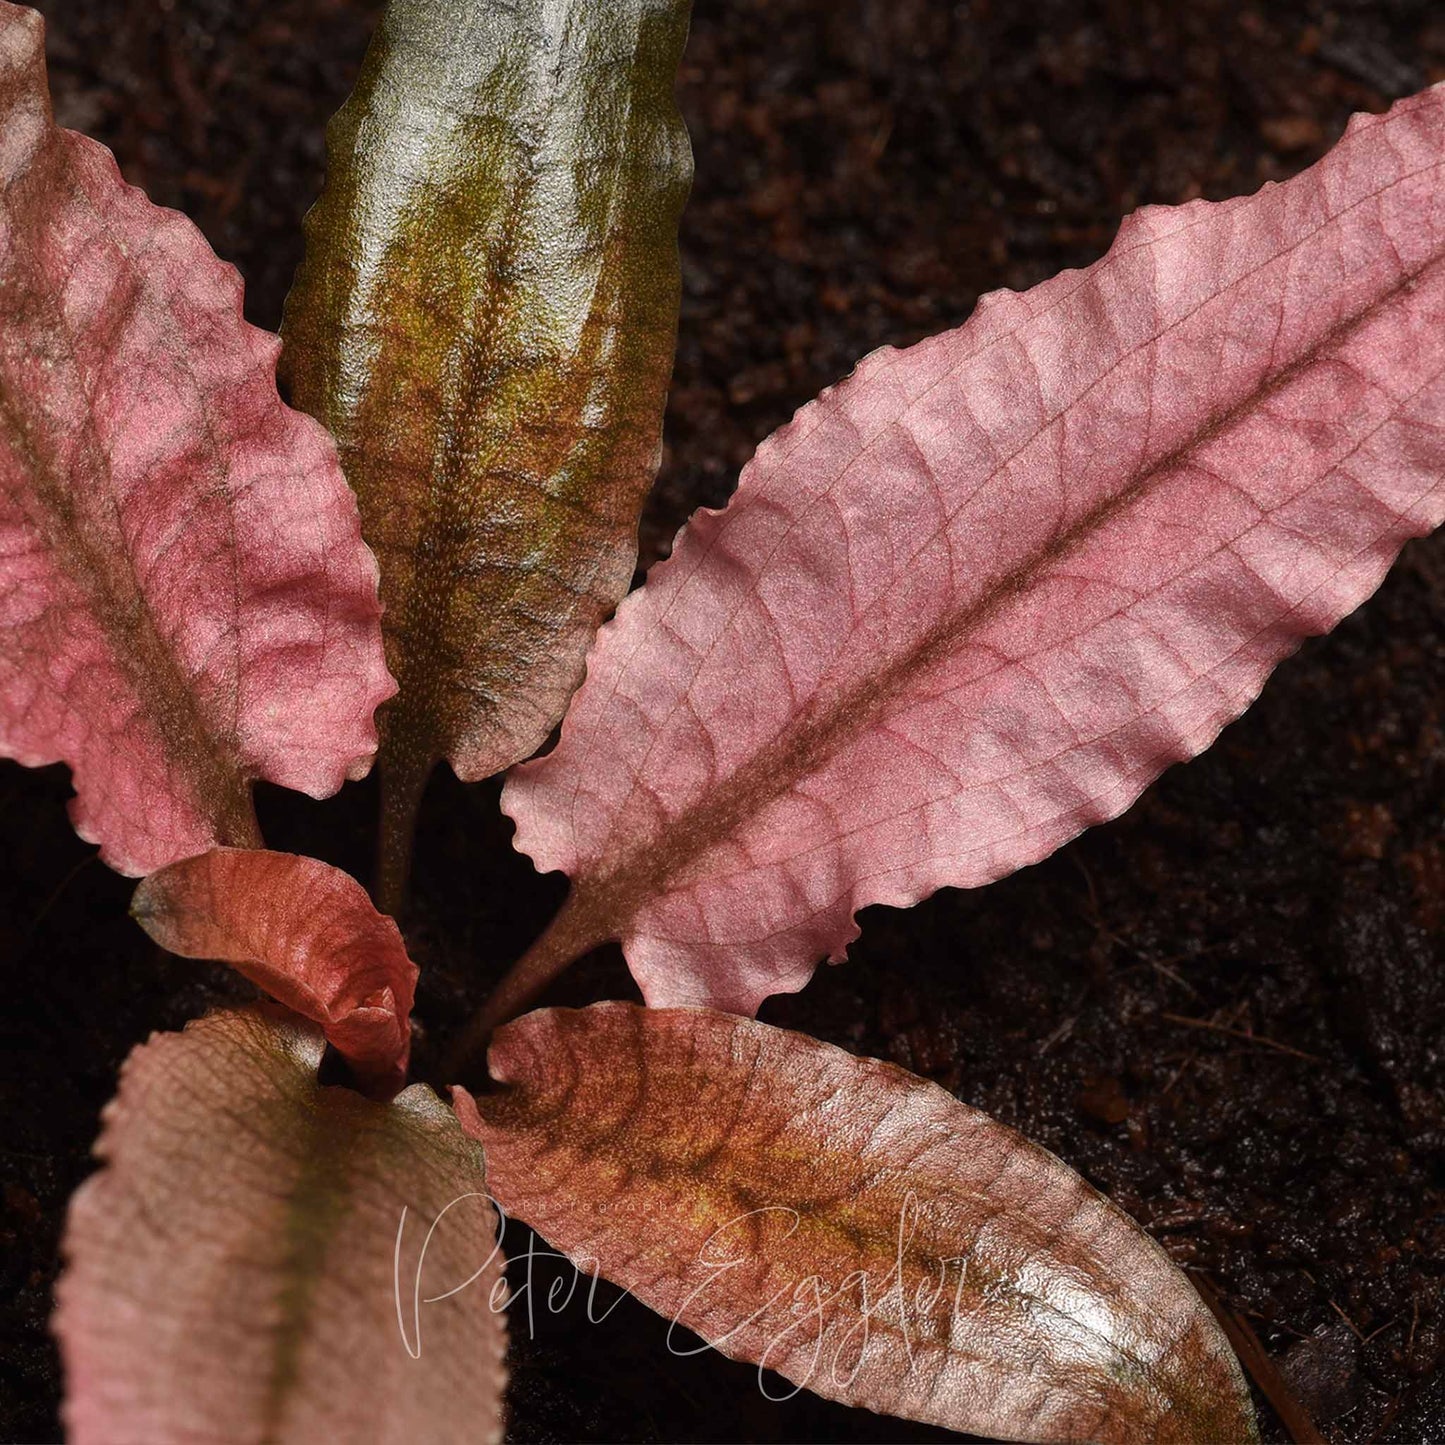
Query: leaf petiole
577, 929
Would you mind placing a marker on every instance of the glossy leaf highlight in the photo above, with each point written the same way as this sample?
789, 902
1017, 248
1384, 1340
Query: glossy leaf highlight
185, 600
303, 931
850, 1226
486, 319
239, 1270
976, 597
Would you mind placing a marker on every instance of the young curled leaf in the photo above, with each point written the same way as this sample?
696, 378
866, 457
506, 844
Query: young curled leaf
254, 1261
486, 319
303, 931
850, 1226
976, 597
186, 603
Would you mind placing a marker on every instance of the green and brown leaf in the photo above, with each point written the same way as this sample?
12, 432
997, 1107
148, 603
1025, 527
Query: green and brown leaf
850, 1226
486, 319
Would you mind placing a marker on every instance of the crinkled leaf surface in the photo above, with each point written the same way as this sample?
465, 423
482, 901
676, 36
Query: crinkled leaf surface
238, 1270
486, 319
976, 597
849, 1225
186, 603
306, 933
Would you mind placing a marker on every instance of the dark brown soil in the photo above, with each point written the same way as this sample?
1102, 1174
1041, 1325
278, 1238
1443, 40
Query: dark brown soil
1227, 1009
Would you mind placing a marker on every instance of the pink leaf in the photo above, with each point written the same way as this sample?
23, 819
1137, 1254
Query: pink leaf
976, 597
304, 932
254, 1262
186, 603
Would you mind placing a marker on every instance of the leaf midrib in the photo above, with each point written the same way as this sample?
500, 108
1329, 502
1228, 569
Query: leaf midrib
608, 898
103, 567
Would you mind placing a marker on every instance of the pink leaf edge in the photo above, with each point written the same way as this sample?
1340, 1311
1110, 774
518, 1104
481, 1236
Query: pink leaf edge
307, 934
976, 597
186, 603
